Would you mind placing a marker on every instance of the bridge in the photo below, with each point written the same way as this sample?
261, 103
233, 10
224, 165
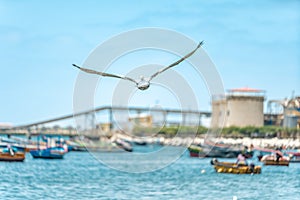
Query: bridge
38, 128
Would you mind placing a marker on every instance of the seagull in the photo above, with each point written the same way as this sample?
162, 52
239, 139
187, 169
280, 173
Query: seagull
143, 83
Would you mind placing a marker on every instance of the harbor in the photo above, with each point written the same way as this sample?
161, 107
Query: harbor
150, 100
154, 143
79, 174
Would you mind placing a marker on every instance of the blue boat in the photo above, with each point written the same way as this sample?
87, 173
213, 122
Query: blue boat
49, 153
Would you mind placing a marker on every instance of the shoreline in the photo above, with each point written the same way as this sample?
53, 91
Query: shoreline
288, 143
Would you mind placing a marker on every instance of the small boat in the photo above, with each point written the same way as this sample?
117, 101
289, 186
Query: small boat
49, 153
11, 154
195, 151
216, 151
123, 145
272, 160
75, 146
233, 168
139, 142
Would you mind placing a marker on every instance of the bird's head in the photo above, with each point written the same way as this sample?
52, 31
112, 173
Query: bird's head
142, 78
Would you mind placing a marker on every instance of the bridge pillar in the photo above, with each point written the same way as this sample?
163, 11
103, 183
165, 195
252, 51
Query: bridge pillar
111, 123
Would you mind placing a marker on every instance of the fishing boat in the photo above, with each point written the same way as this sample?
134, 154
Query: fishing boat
195, 151
217, 150
233, 168
199, 151
49, 153
75, 146
11, 154
273, 160
272, 157
53, 150
123, 145
138, 141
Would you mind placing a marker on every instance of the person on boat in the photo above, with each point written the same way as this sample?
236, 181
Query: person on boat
241, 159
247, 151
278, 155
10, 150
214, 161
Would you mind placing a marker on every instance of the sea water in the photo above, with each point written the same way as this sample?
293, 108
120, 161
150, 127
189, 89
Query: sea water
80, 176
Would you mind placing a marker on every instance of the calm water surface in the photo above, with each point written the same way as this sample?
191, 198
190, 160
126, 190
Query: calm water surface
80, 176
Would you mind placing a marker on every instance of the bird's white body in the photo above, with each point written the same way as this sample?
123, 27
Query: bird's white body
143, 85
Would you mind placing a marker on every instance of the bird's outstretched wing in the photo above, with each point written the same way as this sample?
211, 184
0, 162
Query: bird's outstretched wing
177, 62
90, 71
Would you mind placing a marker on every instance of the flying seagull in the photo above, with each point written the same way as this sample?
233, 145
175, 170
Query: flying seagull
143, 83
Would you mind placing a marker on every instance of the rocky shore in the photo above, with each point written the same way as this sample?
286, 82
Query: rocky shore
289, 143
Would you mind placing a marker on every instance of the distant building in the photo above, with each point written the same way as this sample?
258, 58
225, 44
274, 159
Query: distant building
285, 112
5, 125
292, 113
105, 127
239, 107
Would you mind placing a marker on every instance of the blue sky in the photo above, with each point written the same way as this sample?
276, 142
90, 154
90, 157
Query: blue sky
252, 43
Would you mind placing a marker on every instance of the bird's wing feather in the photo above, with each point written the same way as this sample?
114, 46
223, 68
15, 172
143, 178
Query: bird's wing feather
177, 62
90, 71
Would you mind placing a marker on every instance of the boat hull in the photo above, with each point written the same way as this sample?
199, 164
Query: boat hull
273, 160
194, 154
47, 157
277, 163
17, 157
211, 153
49, 153
233, 168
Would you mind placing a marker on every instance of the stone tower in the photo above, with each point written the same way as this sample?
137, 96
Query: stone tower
239, 107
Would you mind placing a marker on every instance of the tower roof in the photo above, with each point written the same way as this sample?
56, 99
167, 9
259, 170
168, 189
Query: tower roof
246, 89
